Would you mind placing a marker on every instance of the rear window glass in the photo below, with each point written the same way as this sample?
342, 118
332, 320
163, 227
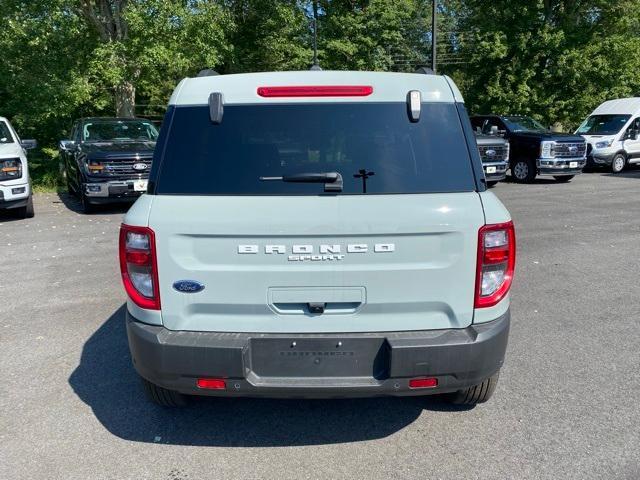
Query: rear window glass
373, 146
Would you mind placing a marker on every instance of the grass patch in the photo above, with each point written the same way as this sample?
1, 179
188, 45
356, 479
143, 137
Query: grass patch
44, 168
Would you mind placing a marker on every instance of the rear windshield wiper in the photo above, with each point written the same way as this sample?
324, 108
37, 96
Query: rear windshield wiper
332, 180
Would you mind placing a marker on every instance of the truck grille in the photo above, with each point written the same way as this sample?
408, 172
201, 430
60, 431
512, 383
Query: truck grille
125, 167
570, 149
500, 153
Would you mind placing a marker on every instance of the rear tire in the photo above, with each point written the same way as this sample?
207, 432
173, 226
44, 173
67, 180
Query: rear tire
476, 394
563, 178
26, 211
618, 163
162, 396
523, 171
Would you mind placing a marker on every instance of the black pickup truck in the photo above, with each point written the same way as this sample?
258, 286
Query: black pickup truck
535, 150
108, 159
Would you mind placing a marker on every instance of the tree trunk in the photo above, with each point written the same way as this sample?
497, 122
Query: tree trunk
125, 100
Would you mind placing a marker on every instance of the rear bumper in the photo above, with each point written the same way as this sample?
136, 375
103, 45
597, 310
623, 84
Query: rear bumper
318, 365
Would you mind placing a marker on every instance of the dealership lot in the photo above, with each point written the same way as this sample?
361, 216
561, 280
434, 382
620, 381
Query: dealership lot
566, 406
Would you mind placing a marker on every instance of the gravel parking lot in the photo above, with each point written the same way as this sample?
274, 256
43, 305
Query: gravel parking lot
566, 406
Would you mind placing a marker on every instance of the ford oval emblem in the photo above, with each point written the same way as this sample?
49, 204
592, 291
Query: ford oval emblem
491, 153
188, 286
140, 166
573, 149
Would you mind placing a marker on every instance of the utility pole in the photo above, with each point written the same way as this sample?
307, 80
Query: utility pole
434, 35
316, 65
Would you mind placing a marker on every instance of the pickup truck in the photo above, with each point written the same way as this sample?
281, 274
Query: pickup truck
494, 152
15, 186
535, 150
108, 160
317, 235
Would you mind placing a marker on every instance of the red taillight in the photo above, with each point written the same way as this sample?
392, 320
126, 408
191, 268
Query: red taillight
496, 263
317, 91
423, 383
138, 266
211, 383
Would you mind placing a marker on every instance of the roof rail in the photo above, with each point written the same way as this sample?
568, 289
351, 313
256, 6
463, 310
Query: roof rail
425, 71
207, 72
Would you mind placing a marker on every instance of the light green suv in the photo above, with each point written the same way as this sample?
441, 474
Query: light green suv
317, 234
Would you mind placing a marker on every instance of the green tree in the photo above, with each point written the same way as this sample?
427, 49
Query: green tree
373, 34
553, 59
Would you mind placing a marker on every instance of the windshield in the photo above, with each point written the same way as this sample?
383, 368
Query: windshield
373, 146
118, 130
524, 124
603, 124
5, 133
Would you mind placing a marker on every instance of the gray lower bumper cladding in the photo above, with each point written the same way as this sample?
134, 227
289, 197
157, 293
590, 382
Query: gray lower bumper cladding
318, 365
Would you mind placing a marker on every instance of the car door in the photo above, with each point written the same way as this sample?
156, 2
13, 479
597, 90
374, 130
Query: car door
631, 145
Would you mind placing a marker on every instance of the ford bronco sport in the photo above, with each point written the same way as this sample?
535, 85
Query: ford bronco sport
317, 234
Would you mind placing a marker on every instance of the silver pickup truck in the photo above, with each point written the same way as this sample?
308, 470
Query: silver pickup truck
317, 234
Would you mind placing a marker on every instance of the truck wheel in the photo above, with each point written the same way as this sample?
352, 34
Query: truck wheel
524, 171
618, 163
476, 394
162, 396
26, 211
87, 206
563, 178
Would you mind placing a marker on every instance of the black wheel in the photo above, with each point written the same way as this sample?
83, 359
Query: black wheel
162, 396
476, 394
26, 211
87, 206
523, 171
618, 163
563, 178
491, 183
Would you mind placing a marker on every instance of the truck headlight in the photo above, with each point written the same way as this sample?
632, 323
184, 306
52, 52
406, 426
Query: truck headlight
10, 168
605, 144
546, 149
94, 167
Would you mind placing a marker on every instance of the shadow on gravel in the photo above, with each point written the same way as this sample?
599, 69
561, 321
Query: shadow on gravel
73, 203
106, 381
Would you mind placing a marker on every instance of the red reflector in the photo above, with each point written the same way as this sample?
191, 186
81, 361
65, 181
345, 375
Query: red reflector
317, 91
496, 255
138, 257
423, 383
211, 383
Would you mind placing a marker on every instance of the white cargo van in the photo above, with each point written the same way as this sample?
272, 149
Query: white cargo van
612, 132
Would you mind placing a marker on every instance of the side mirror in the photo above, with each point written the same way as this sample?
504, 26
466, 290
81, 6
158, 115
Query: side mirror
67, 145
29, 144
632, 134
494, 130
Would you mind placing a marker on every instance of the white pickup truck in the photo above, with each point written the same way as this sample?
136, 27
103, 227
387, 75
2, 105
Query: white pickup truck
15, 188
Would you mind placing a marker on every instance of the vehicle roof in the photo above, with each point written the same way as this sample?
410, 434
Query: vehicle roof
387, 87
115, 119
629, 106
